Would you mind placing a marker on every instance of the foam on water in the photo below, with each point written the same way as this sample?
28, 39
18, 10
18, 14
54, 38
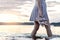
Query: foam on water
57, 38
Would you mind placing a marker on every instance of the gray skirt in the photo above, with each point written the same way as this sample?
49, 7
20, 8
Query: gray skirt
34, 13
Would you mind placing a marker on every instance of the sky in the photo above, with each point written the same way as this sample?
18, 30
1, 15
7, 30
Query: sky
20, 10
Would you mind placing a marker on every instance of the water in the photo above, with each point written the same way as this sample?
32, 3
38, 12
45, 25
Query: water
20, 10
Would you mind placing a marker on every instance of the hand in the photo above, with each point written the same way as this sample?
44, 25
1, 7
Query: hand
40, 14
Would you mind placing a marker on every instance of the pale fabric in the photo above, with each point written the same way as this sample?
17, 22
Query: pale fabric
34, 13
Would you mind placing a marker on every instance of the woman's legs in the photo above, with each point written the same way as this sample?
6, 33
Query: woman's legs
36, 27
49, 33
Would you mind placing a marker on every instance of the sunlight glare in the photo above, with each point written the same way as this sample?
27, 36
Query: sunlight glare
8, 18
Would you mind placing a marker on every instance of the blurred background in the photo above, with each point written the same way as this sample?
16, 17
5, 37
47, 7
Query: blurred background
15, 14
